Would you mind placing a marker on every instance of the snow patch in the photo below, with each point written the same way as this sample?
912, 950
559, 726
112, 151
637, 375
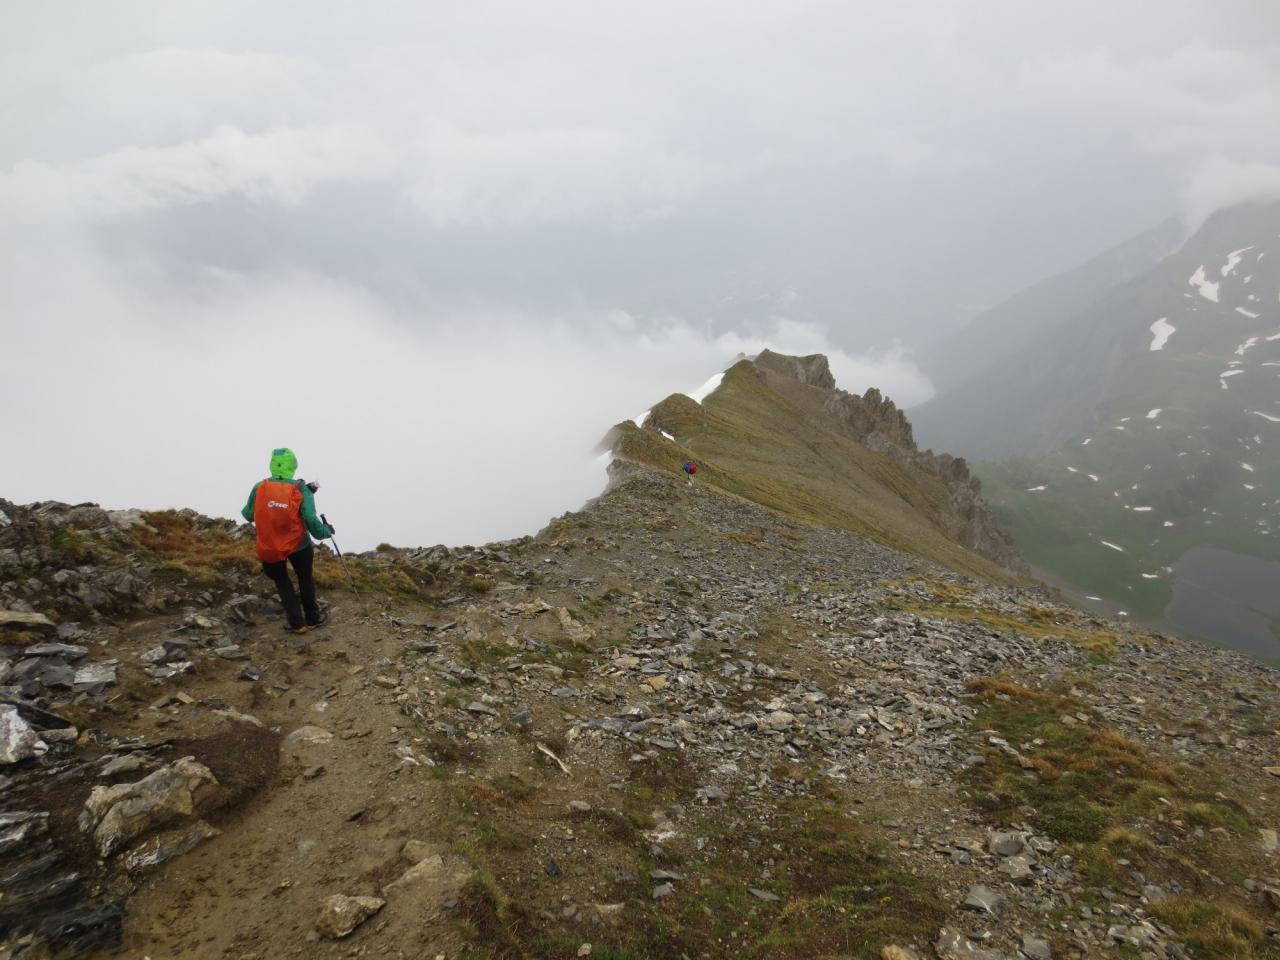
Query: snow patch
1111, 545
1085, 443
1152, 414
1251, 315
1247, 466
1073, 469
667, 435
639, 421
1037, 489
1161, 331
1093, 477
707, 388
1141, 509
1233, 258
1168, 523
1267, 416
1206, 288
1151, 576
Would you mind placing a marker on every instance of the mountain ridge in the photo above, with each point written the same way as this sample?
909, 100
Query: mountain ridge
778, 431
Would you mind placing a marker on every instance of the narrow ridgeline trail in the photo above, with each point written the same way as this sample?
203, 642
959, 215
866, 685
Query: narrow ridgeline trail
674, 724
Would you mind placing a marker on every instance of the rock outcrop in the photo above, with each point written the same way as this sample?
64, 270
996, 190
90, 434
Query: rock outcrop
874, 421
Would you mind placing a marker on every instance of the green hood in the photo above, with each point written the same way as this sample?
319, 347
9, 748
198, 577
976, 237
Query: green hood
283, 464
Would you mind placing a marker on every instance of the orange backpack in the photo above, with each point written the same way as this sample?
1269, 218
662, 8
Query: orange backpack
277, 514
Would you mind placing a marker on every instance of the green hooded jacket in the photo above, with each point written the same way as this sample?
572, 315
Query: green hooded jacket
283, 464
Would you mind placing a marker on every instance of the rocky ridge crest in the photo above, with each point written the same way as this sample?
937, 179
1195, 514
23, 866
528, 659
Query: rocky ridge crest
876, 422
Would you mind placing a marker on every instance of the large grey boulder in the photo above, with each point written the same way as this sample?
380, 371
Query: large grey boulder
121, 813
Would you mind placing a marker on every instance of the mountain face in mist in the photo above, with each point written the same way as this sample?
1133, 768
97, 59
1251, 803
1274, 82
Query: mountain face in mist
1143, 427
777, 430
995, 336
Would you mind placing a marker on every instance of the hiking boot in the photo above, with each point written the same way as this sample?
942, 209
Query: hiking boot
324, 618
299, 630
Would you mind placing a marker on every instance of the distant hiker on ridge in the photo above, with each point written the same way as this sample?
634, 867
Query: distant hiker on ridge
690, 468
283, 511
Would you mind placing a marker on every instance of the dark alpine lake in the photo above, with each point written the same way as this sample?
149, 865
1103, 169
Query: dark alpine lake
1228, 598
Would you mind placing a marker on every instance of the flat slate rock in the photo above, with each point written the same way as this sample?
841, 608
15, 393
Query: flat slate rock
21, 620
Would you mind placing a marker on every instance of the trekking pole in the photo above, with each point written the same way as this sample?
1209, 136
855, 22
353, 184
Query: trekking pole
341, 559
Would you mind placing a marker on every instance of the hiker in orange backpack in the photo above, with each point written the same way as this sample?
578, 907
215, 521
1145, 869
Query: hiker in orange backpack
284, 513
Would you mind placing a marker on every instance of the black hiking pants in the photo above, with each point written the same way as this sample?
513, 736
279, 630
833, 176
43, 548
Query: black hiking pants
297, 613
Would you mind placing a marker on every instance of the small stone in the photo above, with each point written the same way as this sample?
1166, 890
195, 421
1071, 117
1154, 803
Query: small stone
952, 945
18, 739
985, 900
662, 890
129, 763
584, 950
312, 773
1036, 949
1274, 771
780, 719
415, 851
308, 734
1005, 843
429, 869
764, 895
249, 672
165, 846
893, 952
340, 914
68, 651
21, 620
1018, 869
579, 806
1269, 840
475, 706
94, 678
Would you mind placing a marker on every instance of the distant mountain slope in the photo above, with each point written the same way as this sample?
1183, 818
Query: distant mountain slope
1146, 426
1001, 332
1075, 373
776, 431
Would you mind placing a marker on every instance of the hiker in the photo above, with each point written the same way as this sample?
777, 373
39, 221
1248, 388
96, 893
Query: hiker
690, 468
283, 512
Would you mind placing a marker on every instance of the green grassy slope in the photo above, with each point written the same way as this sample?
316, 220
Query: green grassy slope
1165, 483
751, 441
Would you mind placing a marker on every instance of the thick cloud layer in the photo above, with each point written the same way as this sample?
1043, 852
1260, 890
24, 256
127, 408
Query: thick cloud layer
444, 246
132, 391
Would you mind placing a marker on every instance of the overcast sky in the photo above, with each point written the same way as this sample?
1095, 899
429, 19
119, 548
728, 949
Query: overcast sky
446, 245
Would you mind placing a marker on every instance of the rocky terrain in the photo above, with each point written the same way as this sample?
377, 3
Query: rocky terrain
673, 724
